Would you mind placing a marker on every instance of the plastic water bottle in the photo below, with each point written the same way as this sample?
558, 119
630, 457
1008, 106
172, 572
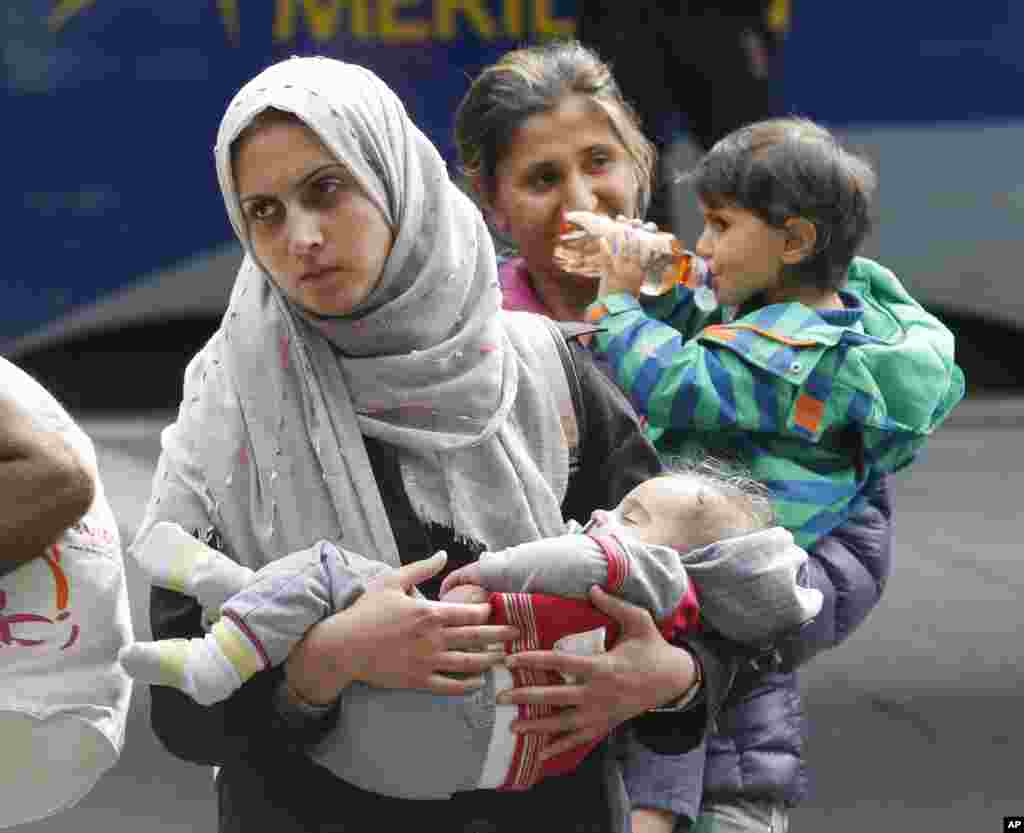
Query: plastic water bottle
670, 263
690, 270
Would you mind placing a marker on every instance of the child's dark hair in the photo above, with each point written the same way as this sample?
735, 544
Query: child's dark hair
783, 168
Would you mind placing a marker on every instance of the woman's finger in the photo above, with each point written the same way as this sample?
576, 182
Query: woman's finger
558, 696
409, 575
564, 663
461, 662
440, 684
452, 615
563, 721
634, 620
570, 741
479, 636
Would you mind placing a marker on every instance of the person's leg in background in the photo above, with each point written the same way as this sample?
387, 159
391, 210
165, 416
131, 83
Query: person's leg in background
738, 815
704, 66
630, 37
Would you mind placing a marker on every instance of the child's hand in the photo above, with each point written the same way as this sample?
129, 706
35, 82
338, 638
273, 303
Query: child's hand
650, 820
469, 574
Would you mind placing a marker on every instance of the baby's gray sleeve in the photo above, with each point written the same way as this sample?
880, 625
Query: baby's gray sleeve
569, 565
749, 586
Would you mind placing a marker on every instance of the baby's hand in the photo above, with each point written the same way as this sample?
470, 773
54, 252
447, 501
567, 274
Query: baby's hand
466, 594
469, 574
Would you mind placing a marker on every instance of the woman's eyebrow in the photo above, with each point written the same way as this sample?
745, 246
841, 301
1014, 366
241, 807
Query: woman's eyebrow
540, 165
302, 181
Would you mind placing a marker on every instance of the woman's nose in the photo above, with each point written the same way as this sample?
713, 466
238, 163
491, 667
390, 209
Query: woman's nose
580, 195
305, 234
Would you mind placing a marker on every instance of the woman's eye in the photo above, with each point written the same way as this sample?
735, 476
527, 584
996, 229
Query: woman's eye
600, 160
543, 180
263, 211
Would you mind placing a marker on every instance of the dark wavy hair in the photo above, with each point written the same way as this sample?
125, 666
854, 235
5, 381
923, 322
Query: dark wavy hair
783, 168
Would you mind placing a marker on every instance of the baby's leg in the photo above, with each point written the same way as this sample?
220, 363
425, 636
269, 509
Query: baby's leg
258, 626
288, 596
208, 670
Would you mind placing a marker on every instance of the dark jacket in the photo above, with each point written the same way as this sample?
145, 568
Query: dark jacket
268, 783
757, 749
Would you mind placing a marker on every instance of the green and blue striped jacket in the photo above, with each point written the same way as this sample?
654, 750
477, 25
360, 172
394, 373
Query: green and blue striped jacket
818, 403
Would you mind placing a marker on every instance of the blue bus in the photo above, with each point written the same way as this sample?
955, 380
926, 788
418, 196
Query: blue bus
114, 225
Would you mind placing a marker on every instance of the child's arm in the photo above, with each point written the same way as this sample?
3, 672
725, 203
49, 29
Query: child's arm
678, 382
569, 565
621, 257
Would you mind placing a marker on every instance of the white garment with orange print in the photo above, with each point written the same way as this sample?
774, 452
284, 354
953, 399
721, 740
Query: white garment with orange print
63, 618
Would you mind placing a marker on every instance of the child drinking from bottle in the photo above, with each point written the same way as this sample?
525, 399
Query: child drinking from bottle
817, 368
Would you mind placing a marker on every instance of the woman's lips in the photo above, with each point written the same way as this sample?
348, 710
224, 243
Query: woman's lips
317, 274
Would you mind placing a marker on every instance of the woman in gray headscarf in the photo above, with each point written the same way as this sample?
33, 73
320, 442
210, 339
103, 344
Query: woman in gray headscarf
364, 388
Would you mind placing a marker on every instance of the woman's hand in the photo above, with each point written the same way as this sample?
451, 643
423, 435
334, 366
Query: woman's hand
618, 252
391, 639
641, 672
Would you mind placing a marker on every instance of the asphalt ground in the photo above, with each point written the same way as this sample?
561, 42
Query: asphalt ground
915, 721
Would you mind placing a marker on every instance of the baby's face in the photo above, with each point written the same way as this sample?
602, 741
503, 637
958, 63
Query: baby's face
664, 510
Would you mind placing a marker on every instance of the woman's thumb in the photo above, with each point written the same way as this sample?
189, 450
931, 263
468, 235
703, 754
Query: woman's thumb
419, 571
631, 619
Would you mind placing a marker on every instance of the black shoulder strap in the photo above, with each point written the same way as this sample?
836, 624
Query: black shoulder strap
575, 425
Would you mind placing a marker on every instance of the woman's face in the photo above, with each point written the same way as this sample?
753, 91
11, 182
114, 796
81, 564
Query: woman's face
324, 242
568, 159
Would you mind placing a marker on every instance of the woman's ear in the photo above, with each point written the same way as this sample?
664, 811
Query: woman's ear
801, 240
497, 219
483, 199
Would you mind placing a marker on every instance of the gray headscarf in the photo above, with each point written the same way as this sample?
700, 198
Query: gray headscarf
268, 441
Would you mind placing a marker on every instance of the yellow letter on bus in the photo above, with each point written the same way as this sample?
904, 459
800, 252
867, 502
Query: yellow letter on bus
394, 30
323, 17
552, 27
479, 18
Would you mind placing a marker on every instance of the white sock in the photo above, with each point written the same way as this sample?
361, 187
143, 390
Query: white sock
199, 667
